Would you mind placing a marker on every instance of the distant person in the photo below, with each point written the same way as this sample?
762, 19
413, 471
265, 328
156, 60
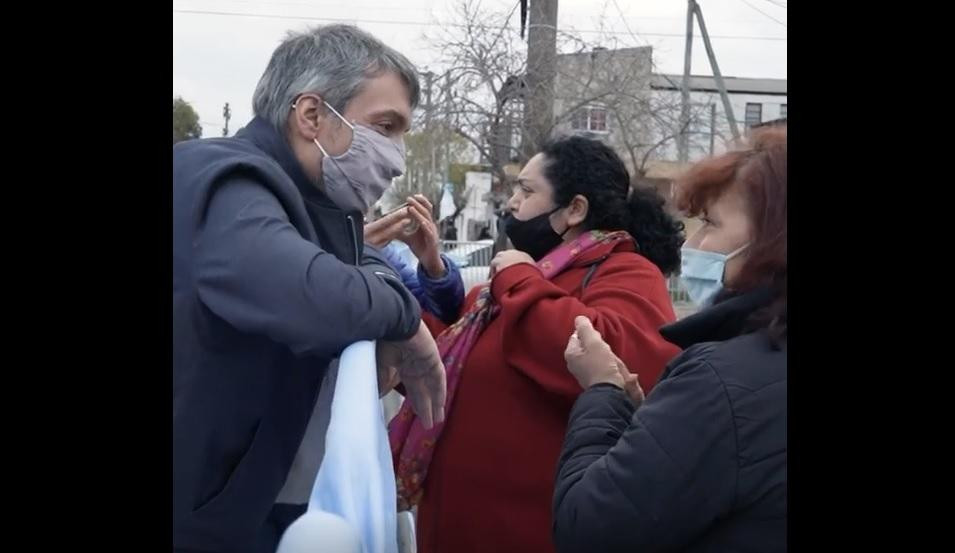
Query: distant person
450, 231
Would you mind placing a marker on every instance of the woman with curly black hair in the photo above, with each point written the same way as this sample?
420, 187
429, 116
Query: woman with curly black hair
585, 246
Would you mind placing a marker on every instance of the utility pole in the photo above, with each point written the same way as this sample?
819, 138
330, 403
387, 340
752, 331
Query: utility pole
727, 107
712, 128
226, 114
683, 146
541, 72
429, 109
447, 139
693, 10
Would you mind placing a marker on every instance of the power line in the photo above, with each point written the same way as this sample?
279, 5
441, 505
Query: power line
764, 13
504, 27
406, 9
627, 25
433, 23
327, 5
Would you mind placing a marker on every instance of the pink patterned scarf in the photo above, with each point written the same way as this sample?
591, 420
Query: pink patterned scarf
412, 447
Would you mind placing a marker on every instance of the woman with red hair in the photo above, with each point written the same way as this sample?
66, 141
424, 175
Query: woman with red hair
700, 465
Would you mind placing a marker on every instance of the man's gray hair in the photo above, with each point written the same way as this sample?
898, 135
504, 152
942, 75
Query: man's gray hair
333, 61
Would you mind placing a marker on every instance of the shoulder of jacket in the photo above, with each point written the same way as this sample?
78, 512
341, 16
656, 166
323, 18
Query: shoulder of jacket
742, 363
629, 261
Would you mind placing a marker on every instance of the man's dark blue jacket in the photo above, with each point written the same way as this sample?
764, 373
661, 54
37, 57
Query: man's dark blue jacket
271, 281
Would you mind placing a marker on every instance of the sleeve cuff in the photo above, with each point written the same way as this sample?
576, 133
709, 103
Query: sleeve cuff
602, 388
425, 278
606, 386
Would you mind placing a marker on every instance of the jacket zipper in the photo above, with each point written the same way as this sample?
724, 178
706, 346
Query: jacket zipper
354, 237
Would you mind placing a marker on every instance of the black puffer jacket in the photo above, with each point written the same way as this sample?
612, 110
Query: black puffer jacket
701, 465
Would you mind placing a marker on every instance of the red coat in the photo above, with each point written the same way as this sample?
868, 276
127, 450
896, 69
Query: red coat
491, 481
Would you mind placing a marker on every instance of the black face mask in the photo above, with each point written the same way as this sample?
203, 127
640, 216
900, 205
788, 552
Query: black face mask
535, 236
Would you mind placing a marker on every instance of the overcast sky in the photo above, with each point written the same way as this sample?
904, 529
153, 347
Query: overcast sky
218, 57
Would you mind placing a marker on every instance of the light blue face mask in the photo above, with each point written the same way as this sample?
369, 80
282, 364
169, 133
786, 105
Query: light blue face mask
702, 273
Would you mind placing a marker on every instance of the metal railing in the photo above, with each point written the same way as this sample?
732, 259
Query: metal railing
677, 291
469, 254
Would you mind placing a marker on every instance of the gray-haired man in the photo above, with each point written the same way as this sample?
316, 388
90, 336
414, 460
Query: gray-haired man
271, 281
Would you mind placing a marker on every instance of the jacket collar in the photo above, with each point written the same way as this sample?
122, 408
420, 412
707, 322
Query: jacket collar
268, 139
338, 231
722, 321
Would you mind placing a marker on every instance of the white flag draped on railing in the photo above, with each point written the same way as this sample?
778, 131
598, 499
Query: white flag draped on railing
353, 507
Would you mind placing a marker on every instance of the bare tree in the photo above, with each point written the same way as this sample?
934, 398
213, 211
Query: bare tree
430, 151
618, 82
705, 126
486, 61
481, 94
483, 91
663, 127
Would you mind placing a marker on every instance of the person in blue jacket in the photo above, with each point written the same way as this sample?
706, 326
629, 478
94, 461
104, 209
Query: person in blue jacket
436, 283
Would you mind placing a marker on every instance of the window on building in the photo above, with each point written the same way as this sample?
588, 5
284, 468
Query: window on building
782, 111
598, 119
590, 118
754, 114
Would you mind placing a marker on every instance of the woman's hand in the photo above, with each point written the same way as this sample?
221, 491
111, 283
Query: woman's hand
591, 361
507, 258
424, 240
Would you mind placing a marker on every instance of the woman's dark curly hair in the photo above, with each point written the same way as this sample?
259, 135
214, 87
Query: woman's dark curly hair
577, 165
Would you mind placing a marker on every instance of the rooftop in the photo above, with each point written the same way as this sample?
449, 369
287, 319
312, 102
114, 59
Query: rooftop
733, 84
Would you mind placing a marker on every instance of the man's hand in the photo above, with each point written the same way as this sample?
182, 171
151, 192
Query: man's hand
418, 365
379, 233
424, 240
387, 377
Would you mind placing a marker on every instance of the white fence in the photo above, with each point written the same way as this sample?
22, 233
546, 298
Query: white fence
677, 291
469, 254
472, 258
